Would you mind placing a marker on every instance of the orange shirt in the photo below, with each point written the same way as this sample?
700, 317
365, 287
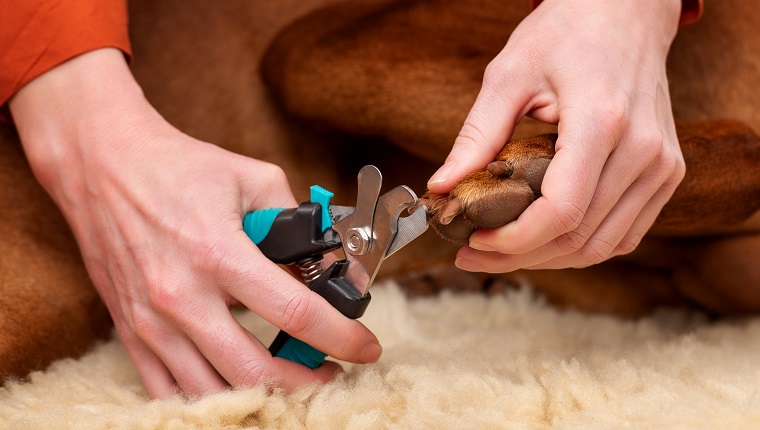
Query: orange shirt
37, 35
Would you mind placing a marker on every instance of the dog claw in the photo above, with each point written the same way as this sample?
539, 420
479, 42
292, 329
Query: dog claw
450, 210
500, 168
420, 202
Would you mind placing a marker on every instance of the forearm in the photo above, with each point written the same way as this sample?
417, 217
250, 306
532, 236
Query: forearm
39, 35
76, 113
691, 10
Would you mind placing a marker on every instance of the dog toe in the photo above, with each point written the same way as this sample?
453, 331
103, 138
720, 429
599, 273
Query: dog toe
496, 195
500, 206
479, 201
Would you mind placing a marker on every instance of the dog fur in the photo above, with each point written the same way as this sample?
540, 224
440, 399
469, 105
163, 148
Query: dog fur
408, 71
347, 68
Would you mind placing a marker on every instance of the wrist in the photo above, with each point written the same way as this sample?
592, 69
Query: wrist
650, 25
689, 11
75, 110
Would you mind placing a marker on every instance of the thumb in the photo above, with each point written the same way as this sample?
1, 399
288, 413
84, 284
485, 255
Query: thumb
486, 129
265, 185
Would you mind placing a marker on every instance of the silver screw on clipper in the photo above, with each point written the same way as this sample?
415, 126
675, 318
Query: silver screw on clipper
358, 241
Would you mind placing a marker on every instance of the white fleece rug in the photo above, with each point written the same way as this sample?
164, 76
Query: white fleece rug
454, 361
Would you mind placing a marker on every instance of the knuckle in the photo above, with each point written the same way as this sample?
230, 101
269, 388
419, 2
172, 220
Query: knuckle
275, 174
628, 244
667, 164
676, 169
214, 259
501, 74
670, 170
141, 326
569, 216
251, 372
278, 173
651, 144
347, 351
571, 241
495, 73
611, 121
166, 297
669, 155
596, 251
679, 169
298, 315
470, 135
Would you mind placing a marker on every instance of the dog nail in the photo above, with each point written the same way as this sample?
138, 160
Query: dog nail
499, 168
450, 211
420, 202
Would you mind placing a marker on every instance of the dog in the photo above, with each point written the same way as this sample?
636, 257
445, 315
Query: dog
318, 104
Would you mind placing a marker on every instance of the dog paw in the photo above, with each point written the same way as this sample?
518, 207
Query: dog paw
496, 195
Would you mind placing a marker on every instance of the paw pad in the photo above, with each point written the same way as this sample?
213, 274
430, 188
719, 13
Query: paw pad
496, 195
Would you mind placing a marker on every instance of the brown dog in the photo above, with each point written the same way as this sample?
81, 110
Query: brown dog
337, 62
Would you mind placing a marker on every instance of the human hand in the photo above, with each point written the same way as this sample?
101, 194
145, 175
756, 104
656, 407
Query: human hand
597, 70
158, 217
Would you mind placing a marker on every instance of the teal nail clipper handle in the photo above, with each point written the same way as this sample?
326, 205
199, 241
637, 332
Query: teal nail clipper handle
302, 236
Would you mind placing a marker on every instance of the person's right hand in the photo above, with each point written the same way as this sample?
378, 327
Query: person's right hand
158, 217
598, 71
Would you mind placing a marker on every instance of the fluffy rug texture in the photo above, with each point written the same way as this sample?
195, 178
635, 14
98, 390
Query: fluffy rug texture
452, 361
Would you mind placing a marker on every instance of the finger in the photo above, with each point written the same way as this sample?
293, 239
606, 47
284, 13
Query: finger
243, 360
473, 260
616, 180
568, 188
277, 297
658, 151
486, 129
673, 154
297, 310
188, 366
156, 378
638, 207
619, 233
649, 213
273, 192
553, 255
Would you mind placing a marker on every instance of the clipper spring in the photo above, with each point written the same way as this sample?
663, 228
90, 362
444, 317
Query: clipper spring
311, 268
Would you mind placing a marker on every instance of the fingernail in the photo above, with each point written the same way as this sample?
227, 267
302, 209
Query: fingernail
466, 264
480, 246
442, 175
371, 353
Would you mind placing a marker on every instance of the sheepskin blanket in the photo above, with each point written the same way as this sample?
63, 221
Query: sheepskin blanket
460, 361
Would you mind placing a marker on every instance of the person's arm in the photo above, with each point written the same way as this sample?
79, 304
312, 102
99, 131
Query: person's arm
597, 70
158, 217
38, 35
691, 10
